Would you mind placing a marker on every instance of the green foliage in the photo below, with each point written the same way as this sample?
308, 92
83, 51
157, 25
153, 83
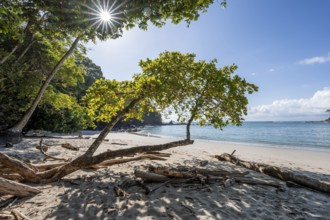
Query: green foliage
46, 117
175, 83
198, 90
92, 73
78, 17
21, 83
34, 35
105, 98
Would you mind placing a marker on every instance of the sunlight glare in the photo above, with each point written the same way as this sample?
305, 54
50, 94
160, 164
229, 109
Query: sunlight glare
105, 16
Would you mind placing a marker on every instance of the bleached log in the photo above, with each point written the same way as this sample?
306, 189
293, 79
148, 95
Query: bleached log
152, 177
125, 160
69, 146
279, 173
187, 172
14, 188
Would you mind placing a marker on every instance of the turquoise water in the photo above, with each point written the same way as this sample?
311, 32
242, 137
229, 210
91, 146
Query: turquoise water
305, 135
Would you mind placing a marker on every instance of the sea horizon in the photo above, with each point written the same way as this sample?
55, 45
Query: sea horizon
306, 135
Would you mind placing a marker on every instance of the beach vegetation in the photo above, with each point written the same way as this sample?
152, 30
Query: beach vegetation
28, 22
197, 90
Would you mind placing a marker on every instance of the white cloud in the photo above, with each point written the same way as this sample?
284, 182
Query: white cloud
294, 109
271, 70
313, 60
253, 74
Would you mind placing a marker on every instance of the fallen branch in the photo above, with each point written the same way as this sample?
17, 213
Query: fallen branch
279, 173
125, 160
19, 216
114, 143
31, 174
161, 154
44, 167
12, 176
41, 148
187, 172
13, 188
257, 182
152, 177
106, 163
69, 146
6, 202
158, 187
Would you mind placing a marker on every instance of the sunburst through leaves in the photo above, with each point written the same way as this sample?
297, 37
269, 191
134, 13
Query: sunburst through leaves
105, 14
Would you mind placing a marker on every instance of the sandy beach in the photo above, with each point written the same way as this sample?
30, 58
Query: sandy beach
89, 194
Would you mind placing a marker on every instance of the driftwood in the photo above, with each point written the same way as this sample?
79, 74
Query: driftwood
106, 163
154, 177
279, 173
17, 189
19, 216
186, 172
44, 167
31, 174
148, 176
12, 176
125, 160
257, 182
6, 201
42, 150
69, 146
184, 175
161, 154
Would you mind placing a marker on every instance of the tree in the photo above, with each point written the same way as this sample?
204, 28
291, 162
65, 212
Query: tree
93, 73
23, 81
328, 120
77, 20
199, 90
112, 100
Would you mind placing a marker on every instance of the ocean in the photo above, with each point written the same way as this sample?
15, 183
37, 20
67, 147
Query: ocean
295, 135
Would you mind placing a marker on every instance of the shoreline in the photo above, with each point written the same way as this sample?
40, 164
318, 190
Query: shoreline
90, 194
314, 161
255, 144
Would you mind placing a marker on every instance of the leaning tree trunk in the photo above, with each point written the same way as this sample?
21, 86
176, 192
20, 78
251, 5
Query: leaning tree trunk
98, 141
17, 129
80, 162
32, 175
27, 48
3, 60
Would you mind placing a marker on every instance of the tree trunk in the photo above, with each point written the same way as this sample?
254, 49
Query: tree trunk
188, 128
32, 41
193, 114
84, 162
278, 173
11, 53
152, 177
17, 129
98, 141
17, 189
31, 174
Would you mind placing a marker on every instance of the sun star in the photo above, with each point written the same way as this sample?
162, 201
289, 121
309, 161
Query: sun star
105, 16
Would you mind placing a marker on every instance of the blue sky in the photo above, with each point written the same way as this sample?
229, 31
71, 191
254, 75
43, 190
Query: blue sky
282, 46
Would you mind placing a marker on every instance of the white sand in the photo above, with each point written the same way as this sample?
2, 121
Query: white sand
90, 195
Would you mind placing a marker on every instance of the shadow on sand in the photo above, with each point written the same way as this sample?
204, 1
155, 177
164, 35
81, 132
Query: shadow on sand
93, 197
